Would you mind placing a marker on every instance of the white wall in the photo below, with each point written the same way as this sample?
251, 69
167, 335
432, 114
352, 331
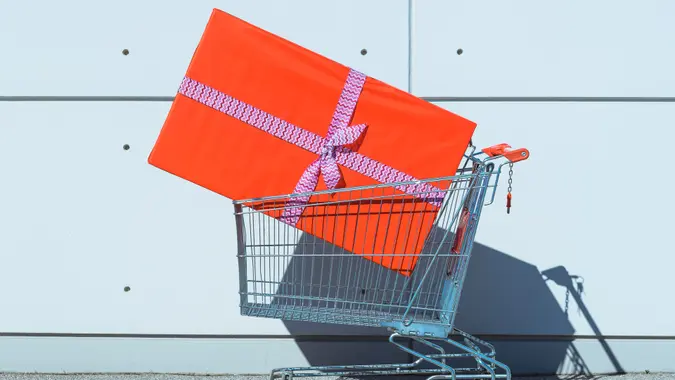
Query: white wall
586, 87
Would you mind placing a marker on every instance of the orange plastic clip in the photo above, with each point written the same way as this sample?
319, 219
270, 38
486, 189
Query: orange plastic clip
504, 150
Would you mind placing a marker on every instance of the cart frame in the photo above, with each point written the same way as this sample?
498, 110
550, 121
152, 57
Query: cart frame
273, 260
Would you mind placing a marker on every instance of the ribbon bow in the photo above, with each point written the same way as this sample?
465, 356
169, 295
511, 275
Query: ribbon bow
326, 164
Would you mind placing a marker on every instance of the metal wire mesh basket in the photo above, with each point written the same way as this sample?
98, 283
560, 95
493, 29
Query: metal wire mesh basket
374, 256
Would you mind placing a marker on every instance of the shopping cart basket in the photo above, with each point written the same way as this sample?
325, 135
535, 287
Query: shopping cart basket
290, 275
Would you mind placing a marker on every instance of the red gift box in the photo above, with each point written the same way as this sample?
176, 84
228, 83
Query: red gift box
257, 115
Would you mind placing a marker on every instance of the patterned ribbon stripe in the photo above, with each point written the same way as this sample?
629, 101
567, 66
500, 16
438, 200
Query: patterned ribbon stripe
332, 149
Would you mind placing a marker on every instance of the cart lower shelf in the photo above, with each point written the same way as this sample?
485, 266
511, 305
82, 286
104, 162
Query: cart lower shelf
359, 316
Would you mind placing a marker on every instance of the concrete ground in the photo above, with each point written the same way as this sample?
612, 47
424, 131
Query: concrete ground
23, 376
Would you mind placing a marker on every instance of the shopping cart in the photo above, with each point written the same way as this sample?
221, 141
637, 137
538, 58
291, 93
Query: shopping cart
290, 275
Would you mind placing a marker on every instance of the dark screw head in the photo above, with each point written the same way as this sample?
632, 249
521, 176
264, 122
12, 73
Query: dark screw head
460, 51
125, 51
364, 51
126, 288
126, 147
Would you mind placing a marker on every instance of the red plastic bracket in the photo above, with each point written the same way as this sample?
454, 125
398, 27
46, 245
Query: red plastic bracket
505, 151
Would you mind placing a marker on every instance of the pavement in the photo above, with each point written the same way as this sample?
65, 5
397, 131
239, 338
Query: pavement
37, 376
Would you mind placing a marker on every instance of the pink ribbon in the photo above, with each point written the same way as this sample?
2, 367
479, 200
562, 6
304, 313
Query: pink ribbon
325, 164
332, 150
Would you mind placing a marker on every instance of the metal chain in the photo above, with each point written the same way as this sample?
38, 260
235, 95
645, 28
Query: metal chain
510, 176
508, 196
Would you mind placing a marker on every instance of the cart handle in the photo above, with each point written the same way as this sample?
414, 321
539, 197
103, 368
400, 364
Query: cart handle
505, 151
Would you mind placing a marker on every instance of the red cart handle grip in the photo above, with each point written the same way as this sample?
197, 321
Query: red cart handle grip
504, 150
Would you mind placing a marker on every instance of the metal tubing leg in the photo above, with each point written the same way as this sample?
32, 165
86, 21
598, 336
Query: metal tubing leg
479, 355
444, 366
376, 369
442, 371
475, 340
432, 345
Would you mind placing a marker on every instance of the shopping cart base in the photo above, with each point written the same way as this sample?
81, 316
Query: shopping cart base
487, 367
